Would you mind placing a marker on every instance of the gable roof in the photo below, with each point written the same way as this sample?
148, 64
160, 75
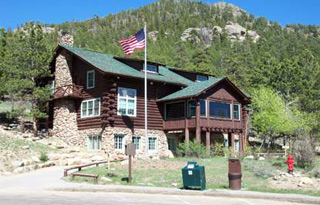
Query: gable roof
107, 63
197, 88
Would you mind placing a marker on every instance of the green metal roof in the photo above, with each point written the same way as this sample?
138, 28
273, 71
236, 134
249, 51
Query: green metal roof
192, 90
109, 64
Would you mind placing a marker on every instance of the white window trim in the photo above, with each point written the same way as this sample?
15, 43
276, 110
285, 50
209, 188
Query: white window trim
231, 110
93, 115
127, 99
100, 141
149, 70
156, 145
140, 144
94, 79
239, 108
123, 142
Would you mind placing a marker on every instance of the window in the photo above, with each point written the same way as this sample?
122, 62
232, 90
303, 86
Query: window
93, 142
174, 110
151, 68
152, 143
220, 110
119, 141
137, 141
191, 108
201, 78
203, 108
127, 99
236, 112
90, 108
90, 79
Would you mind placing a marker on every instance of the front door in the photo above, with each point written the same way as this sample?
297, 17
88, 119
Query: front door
172, 144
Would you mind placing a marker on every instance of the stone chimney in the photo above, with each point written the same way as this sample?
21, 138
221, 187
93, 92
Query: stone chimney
66, 39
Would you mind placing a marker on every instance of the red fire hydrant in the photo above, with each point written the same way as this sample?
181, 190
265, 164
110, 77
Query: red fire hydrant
290, 162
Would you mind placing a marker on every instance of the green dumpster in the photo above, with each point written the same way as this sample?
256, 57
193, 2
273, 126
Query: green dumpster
194, 176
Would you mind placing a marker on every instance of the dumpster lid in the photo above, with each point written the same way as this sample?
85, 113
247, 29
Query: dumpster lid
234, 159
192, 165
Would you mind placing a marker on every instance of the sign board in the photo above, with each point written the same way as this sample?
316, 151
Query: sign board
130, 149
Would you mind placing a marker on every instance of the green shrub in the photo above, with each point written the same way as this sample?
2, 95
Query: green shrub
195, 149
304, 153
43, 157
277, 164
315, 173
218, 149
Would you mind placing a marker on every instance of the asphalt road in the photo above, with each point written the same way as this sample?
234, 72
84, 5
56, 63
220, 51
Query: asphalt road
45, 186
79, 198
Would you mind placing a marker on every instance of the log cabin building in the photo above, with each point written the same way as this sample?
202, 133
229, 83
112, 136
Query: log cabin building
98, 103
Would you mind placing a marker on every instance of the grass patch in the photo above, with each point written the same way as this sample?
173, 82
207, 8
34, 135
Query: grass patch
255, 174
9, 143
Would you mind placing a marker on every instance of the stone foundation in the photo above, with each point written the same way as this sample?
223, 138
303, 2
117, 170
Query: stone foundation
107, 141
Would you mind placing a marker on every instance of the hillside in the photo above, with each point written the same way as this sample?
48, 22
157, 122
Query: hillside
221, 39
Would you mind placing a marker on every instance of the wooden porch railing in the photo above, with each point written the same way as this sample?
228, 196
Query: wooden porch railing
68, 91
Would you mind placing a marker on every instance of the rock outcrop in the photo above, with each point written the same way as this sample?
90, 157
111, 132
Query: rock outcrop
234, 31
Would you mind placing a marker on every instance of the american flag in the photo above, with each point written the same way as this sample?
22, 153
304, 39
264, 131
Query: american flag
137, 41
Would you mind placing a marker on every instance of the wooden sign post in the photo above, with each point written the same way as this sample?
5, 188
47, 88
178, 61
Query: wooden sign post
130, 149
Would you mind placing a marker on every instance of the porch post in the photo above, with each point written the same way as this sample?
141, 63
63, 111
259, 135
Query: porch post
208, 141
186, 135
198, 130
241, 144
232, 143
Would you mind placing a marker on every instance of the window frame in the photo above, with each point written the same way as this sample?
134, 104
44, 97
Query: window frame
99, 140
198, 75
123, 142
156, 144
93, 79
188, 108
140, 138
221, 118
149, 71
239, 110
127, 98
93, 108
206, 108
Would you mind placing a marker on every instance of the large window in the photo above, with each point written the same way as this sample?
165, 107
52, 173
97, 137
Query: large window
137, 141
151, 68
236, 112
201, 78
127, 99
94, 142
174, 110
192, 108
90, 79
90, 108
220, 110
119, 141
152, 143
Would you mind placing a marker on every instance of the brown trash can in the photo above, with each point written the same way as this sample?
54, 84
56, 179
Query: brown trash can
234, 174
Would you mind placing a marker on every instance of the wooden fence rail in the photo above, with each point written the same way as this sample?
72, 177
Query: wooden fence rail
79, 167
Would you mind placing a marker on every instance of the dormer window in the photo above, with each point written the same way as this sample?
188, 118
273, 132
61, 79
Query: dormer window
201, 78
151, 68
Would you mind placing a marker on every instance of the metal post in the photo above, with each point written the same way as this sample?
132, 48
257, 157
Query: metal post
130, 167
145, 91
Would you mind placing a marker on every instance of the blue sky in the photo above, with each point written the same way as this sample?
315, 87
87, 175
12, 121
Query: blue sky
16, 12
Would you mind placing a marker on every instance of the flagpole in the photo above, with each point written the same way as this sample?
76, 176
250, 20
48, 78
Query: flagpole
145, 91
